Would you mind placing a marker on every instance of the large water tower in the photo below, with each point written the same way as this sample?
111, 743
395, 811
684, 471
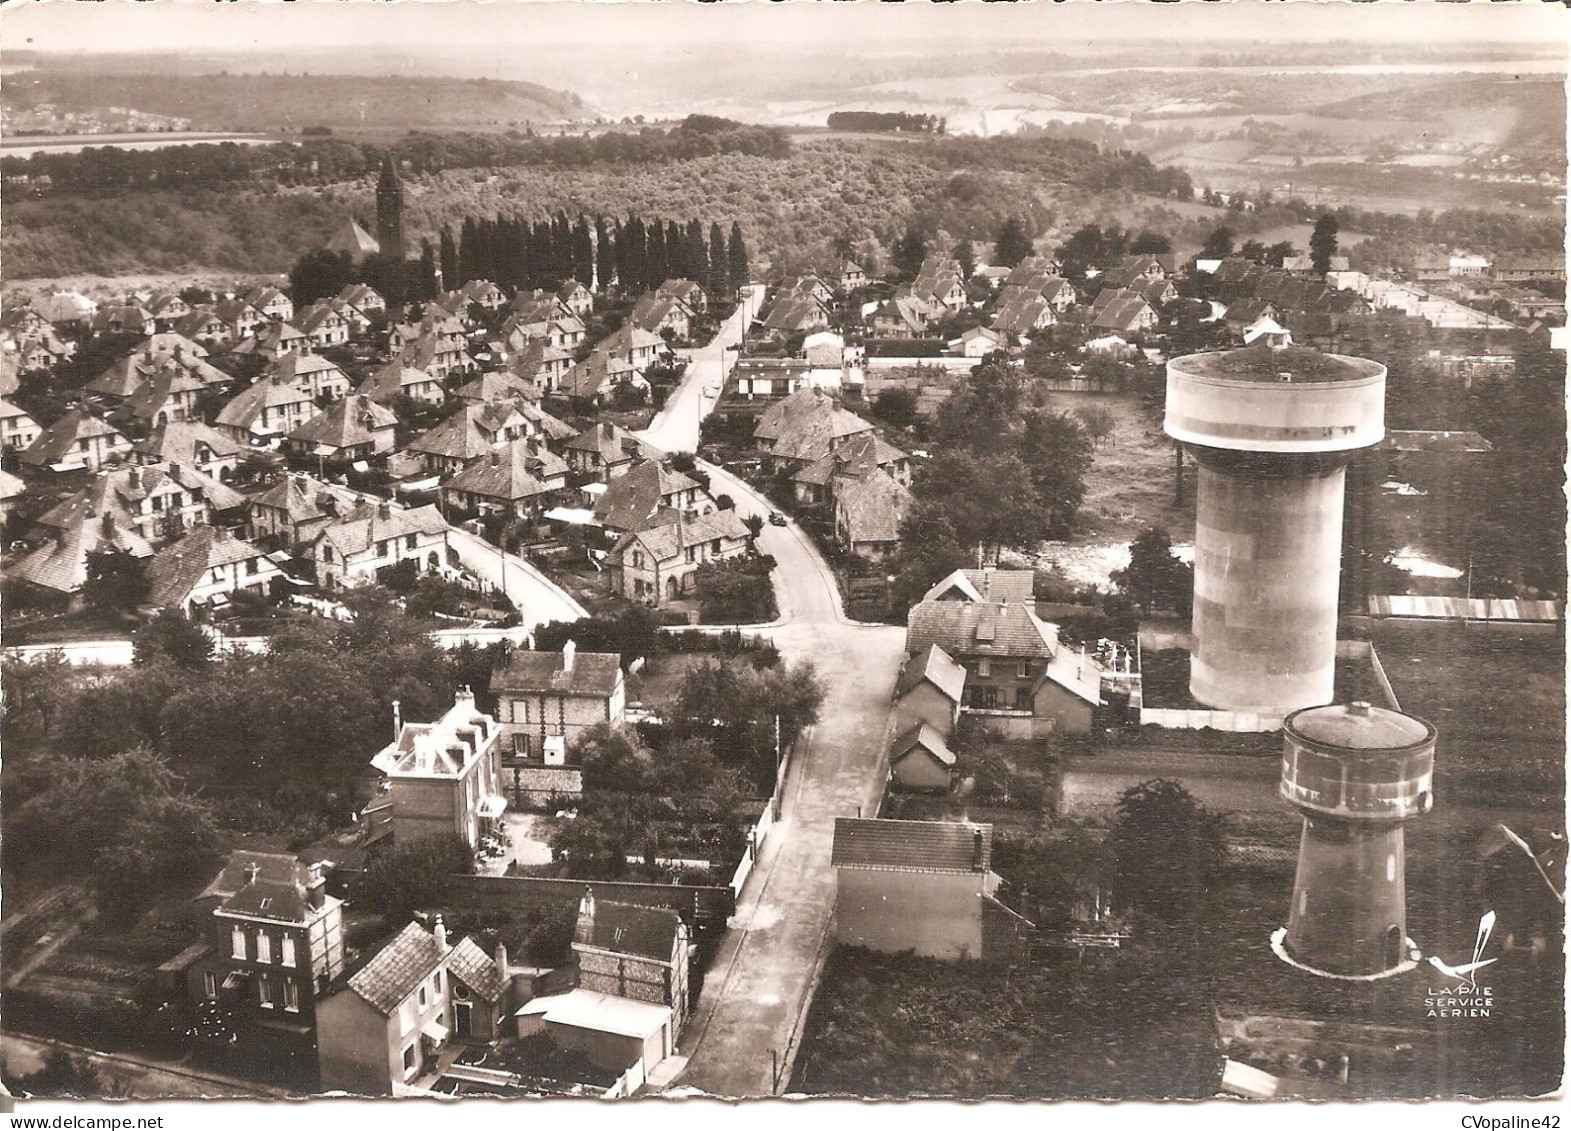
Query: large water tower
1272, 426
1355, 772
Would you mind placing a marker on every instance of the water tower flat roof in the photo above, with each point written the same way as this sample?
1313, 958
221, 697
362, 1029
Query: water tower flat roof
1358, 726
1262, 363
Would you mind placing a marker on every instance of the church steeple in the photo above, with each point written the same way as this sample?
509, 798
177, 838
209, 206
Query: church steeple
390, 211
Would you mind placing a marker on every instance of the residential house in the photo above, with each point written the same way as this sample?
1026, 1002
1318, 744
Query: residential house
444, 778
920, 760
982, 586
68, 310
277, 943
183, 352
517, 478
1022, 313
266, 410
11, 490
606, 450
384, 1028
168, 395
854, 458
941, 290
851, 277
1432, 268
349, 551
899, 317
1017, 672
354, 428
472, 432
78, 439
126, 318
796, 314
924, 887
929, 692
491, 387
324, 326
650, 494
868, 514
804, 428
239, 317
123, 378
1059, 293
318, 377
159, 503
575, 297
662, 315
296, 509
770, 377
365, 299
979, 341
1157, 292
1247, 311
274, 340
18, 430
546, 700
688, 293
58, 563
204, 325
638, 347
387, 383
272, 302
659, 563
1530, 269
599, 376
1123, 312
205, 569
485, 294
542, 365
167, 310
192, 443
438, 354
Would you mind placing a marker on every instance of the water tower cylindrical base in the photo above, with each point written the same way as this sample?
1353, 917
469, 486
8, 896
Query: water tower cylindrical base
1349, 913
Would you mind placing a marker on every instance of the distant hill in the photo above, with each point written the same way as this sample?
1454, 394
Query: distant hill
268, 103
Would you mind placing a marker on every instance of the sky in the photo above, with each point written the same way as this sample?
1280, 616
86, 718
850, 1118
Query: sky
203, 25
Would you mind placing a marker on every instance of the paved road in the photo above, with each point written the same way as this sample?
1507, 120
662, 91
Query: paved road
537, 598
675, 426
144, 1079
762, 980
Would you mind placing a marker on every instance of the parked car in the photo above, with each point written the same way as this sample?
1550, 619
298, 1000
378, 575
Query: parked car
777, 519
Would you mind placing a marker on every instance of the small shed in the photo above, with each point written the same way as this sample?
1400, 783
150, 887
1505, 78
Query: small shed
920, 759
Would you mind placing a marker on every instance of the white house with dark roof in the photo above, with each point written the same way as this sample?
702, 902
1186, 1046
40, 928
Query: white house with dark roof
18, 429
659, 563
921, 886
76, 440
929, 691
868, 513
266, 410
517, 478
348, 551
203, 570
444, 777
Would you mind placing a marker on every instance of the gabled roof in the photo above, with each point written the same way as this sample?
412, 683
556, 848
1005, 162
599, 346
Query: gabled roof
364, 529
124, 377
667, 540
855, 457
630, 338
303, 499
154, 393
176, 570
1122, 312
475, 969
613, 443
969, 628
593, 674
410, 958
1017, 586
633, 500
60, 438
468, 434
911, 846
517, 470
595, 373
807, 426
493, 386
791, 313
387, 382
932, 665
923, 737
625, 928
347, 423
245, 407
873, 507
651, 310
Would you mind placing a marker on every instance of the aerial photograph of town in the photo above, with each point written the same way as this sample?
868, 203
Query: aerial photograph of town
901, 551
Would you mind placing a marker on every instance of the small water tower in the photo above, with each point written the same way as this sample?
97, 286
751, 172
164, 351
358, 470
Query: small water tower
1356, 773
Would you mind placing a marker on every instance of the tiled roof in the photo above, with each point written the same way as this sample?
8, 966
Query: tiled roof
625, 928
517, 470
59, 439
967, 628
154, 394
350, 237
595, 373
303, 499
353, 421
397, 969
912, 846
176, 570
9, 411
467, 434
122, 378
633, 499
922, 736
493, 386
388, 381
630, 338
304, 369
806, 426
1019, 313
932, 665
272, 867
613, 442
872, 508
1017, 586
475, 969
593, 673
651, 310
1123, 312
359, 532
245, 407
667, 541
60, 561
794, 313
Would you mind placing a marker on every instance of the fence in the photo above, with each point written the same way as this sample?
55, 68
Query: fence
699, 907
755, 842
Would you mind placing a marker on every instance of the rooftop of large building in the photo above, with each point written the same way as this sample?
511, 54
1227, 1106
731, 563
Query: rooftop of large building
1265, 364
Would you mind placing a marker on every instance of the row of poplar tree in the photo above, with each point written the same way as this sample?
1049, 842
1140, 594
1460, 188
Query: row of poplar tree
632, 254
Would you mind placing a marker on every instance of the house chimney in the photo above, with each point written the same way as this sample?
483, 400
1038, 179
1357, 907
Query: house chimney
501, 958
398, 721
316, 887
567, 655
496, 458
109, 525
439, 933
464, 695
134, 478
384, 511
252, 871
978, 849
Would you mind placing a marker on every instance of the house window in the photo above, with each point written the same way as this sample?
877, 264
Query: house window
287, 957
210, 986
984, 668
520, 743
237, 942
437, 982
264, 947
1023, 671
291, 995
422, 995
264, 991
409, 1060
1022, 698
409, 541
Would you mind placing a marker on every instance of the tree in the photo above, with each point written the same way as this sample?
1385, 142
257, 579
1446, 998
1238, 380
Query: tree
966, 259
447, 257
1155, 577
1279, 253
1322, 243
116, 581
173, 637
1219, 244
908, 253
427, 288
896, 406
63, 1075
928, 552
1254, 251
1065, 876
738, 274
1013, 243
1057, 452
754, 524
1167, 851
718, 282
1098, 422
1151, 243
414, 875
319, 274
734, 591
989, 500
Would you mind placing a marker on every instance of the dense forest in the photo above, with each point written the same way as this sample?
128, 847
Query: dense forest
895, 121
